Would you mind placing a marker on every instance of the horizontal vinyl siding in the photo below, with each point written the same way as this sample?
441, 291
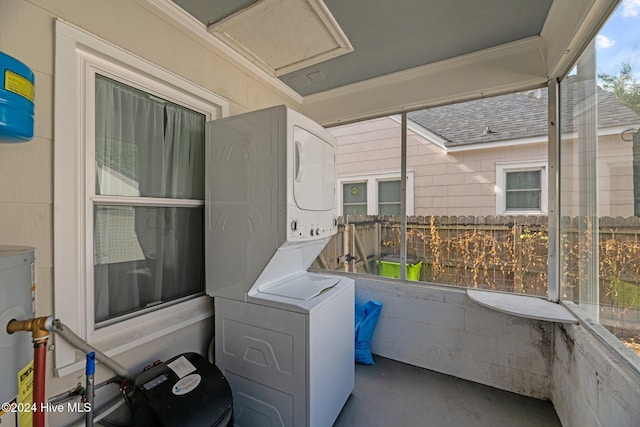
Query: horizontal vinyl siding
461, 183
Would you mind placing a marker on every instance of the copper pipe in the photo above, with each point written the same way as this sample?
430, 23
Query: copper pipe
38, 326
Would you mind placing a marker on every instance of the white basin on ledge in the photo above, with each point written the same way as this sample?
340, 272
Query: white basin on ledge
523, 306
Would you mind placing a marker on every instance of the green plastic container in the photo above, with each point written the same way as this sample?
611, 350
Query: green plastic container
389, 266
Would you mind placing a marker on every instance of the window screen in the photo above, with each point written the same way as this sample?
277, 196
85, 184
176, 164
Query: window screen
523, 190
389, 197
354, 197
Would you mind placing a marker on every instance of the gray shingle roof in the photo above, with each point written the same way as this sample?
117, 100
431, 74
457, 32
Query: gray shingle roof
513, 116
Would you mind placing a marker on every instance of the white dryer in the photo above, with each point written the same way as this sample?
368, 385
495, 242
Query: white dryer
284, 336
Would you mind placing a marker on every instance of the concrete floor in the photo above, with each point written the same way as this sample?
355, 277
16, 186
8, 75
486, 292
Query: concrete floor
391, 393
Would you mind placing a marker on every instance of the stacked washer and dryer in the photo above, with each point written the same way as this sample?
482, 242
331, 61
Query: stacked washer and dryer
284, 336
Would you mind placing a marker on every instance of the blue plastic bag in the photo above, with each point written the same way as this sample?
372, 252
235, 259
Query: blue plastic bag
367, 316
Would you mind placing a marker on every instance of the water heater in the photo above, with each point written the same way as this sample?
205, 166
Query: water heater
16, 302
16, 100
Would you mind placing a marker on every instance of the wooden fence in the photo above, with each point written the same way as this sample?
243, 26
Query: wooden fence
502, 253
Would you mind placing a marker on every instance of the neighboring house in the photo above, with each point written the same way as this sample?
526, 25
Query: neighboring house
483, 157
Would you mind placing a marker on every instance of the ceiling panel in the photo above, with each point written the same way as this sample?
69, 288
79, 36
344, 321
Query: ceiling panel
283, 36
391, 36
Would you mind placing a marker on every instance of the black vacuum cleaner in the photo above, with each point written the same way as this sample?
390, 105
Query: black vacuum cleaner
186, 390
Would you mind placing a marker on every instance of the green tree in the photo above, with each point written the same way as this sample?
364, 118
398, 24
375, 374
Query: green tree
624, 86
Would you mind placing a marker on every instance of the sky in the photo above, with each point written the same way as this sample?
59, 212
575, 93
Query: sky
619, 39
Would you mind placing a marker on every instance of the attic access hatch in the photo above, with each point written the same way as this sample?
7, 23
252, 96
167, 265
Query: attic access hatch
282, 36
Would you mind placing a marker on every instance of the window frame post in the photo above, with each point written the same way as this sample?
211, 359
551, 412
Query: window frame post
553, 188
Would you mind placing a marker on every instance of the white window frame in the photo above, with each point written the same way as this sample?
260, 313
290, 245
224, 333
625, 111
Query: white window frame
503, 168
79, 55
372, 189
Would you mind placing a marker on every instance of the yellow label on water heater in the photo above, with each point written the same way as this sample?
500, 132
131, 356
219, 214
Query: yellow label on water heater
25, 394
14, 82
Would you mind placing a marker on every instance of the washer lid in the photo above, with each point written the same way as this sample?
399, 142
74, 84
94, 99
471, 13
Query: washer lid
302, 287
291, 260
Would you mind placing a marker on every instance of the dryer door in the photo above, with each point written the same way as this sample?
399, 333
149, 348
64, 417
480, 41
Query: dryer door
314, 173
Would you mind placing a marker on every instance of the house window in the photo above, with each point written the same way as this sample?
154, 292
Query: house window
149, 153
521, 188
354, 196
128, 197
389, 197
375, 194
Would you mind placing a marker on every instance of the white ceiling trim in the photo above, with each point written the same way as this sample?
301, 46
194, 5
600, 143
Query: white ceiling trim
464, 61
507, 68
282, 36
192, 25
